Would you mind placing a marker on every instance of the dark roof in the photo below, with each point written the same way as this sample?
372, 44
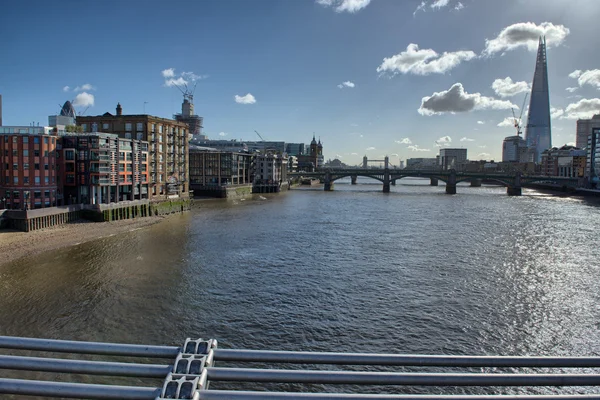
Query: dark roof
67, 110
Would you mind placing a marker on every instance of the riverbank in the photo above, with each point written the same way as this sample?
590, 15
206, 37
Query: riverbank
15, 244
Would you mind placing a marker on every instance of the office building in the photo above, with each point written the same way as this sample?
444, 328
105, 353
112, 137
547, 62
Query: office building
566, 161
295, 149
422, 163
101, 168
514, 149
451, 158
538, 134
168, 147
584, 130
592, 172
222, 145
270, 169
28, 168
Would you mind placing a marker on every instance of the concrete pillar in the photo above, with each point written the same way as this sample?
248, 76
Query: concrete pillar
328, 183
386, 176
353, 179
450, 189
394, 182
475, 182
433, 181
386, 187
451, 184
513, 191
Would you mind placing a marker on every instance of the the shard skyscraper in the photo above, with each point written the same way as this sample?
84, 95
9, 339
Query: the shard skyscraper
538, 133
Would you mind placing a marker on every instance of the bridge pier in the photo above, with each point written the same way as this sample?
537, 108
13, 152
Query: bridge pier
433, 181
394, 182
328, 186
450, 189
353, 179
451, 183
475, 182
386, 187
513, 191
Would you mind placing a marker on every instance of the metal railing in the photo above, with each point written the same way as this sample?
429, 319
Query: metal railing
191, 369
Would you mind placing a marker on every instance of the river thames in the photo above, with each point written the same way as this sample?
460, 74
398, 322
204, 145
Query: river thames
353, 270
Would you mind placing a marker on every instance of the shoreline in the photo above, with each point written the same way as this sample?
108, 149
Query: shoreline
15, 245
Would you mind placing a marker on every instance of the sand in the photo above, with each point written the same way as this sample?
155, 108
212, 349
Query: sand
16, 244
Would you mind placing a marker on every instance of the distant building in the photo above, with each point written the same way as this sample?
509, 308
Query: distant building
584, 130
451, 158
593, 159
187, 116
422, 163
538, 133
28, 168
567, 162
514, 149
295, 149
101, 168
264, 146
314, 160
212, 171
222, 145
168, 151
270, 172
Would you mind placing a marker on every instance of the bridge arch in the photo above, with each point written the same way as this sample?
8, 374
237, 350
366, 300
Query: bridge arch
502, 182
394, 178
336, 177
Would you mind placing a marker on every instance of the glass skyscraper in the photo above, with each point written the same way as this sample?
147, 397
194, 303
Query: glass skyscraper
538, 134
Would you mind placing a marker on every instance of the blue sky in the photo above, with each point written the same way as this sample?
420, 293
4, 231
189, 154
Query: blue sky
418, 74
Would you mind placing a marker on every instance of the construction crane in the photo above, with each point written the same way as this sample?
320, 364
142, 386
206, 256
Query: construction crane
517, 122
261, 138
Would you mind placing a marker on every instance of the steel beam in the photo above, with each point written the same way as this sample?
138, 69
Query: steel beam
71, 346
394, 378
245, 395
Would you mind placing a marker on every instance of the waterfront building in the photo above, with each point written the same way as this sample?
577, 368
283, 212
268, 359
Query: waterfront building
168, 147
566, 161
451, 158
538, 134
212, 171
584, 130
28, 168
514, 149
101, 168
592, 172
270, 169
222, 145
314, 160
422, 163
295, 149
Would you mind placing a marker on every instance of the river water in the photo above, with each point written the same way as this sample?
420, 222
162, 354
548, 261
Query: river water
413, 271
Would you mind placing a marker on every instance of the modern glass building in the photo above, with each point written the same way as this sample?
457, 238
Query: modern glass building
538, 133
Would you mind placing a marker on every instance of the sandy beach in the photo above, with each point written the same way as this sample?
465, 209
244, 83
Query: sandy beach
15, 244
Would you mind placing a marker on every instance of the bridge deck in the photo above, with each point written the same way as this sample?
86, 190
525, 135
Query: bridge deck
191, 368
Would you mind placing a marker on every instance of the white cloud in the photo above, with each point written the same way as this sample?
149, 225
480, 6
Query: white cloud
571, 89
83, 99
247, 99
404, 141
584, 108
526, 34
66, 89
444, 139
346, 84
482, 146
353, 154
459, 6
483, 156
589, 77
456, 99
423, 61
439, 3
507, 88
416, 148
556, 112
84, 87
184, 78
394, 155
168, 73
466, 139
370, 148
223, 133
507, 122
350, 6
338, 156
480, 122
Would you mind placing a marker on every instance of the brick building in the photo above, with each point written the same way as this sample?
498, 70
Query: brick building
28, 167
168, 147
100, 168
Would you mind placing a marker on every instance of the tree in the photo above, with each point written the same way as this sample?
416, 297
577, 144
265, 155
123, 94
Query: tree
74, 129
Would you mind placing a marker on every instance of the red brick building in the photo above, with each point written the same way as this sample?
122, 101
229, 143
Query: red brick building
28, 168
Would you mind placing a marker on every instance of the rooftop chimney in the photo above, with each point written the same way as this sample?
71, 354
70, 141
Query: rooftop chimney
0, 110
119, 109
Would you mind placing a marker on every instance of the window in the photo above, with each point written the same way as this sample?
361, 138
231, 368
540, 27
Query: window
16, 180
16, 194
94, 127
139, 136
127, 135
139, 127
6, 179
36, 140
160, 129
153, 128
128, 126
84, 127
122, 156
47, 194
46, 179
105, 126
25, 139
25, 153
14, 139
37, 194
122, 167
45, 153
69, 154
26, 166
45, 140
37, 180
36, 153
46, 167
15, 154
26, 180
36, 166
15, 166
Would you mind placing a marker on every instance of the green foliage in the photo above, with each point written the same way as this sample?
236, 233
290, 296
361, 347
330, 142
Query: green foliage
74, 129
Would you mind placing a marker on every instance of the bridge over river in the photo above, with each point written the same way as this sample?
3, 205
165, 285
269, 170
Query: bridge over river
388, 176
